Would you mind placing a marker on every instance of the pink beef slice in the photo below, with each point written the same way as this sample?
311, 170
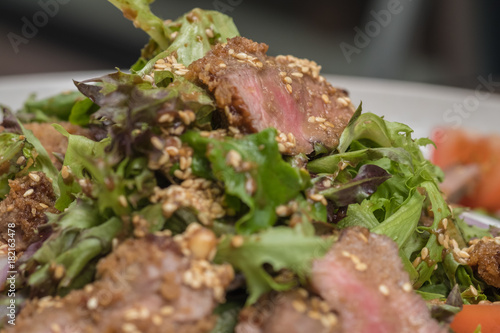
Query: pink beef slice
254, 91
363, 279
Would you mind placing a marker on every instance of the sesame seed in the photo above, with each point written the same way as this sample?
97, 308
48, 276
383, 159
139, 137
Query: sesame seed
446, 242
407, 287
123, 201
34, 177
179, 174
361, 267
473, 290
59, 272
157, 320
281, 148
343, 101
55, 328
129, 328
361, 235
314, 314
131, 314
231, 51
250, 186
304, 69
445, 223
180, 72
172, 151
234, 130
241, 56
289, 88
424, 253
463, 254
164, 159
210, 33
454, 244
345, 254
282, 211
169, 208
164, 118
43, 205
183, 164
156, 142
302, 293
299, 306
65, 172
441, 239
417, 261
233, 158
186, 119
311, 119
92, 303
297, 74
332, 319
222, 65
237, 241
316, 197
383, 290
355, 259
28, 192
287, 79
160, 66
325, 98
320, 120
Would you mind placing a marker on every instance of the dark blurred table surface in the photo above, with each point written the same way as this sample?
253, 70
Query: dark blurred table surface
449, 42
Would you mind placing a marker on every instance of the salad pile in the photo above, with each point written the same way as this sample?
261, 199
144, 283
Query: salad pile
152, 160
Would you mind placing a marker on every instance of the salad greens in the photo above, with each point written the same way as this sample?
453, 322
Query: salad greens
257, 176
377, 178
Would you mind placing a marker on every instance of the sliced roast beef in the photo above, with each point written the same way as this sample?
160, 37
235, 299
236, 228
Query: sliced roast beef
363, 279
254, 91
153, 284
291, 312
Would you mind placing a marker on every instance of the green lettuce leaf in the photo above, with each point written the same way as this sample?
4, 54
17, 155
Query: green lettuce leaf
129, 106
192, 41
53, 108
281, 248
80, 157
21, 152
81, 236
398, 203
266, 181
16, 154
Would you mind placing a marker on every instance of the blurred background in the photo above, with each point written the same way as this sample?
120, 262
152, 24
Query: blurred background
447, 42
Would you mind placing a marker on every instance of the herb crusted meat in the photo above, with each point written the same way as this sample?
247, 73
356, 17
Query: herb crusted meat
255, 91
362, 277
294, 311
145, 285
26, 205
